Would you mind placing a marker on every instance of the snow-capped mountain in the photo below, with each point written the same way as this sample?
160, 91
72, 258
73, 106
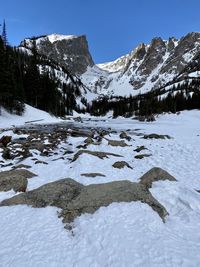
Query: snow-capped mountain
115, 65
147, 67
69, 51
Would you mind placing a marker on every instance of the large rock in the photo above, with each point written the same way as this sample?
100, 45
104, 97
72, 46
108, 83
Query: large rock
15, 179
121, 165
58, 194
155, 174
13, 173
4, 140
92, 197
120, 143
99, 154
75, 199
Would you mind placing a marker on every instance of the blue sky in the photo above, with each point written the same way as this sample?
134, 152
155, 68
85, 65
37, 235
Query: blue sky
113, 27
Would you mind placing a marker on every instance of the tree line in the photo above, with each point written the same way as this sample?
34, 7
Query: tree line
183, 96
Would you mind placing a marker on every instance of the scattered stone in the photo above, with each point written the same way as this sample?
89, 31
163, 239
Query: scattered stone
25, 173
141, 156
121, 164
15, 179
102, 133
58, 193
92, 175
155, 174
41, 162
7, 165
120, 143
5, 139
78, 119
82, 146
98, 154
62, 158
156, 136
7, 154
123, 135
140, 148
44, 153
26, 153
88, 141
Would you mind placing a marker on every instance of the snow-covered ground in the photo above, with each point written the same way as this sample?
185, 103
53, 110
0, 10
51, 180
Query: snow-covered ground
31, 114
125, 234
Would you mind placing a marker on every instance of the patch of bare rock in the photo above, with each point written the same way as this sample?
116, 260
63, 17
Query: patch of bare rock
15, 179
99, 154
121, 165
76, 199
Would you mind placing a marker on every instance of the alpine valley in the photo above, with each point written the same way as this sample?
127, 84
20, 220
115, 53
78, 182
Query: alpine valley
99, 163
159, 70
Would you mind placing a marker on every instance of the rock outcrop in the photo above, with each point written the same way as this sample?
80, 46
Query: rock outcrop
15, 179
75, 199
155, 174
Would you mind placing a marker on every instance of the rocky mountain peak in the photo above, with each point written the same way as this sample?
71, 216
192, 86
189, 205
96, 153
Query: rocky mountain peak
69, 51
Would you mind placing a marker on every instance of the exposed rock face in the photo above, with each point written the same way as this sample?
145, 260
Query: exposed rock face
4, 140
15, 179
75, 199
120, 143
69, 51
98, 154
58, 194
92, 197
155, 174
121, 165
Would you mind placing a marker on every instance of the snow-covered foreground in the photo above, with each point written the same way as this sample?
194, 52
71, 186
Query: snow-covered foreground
125, 234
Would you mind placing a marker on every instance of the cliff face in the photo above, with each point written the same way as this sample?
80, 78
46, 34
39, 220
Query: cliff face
147, 67
67, 50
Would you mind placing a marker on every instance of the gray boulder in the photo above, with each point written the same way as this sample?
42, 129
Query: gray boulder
121, 164
155, 174
120, 143
92, 197
15, 179
58, 194
98, 154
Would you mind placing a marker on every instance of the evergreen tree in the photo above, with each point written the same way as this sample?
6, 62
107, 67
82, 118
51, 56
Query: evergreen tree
4, 34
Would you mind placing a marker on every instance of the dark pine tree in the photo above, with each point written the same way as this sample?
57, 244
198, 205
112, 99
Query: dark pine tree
4, 34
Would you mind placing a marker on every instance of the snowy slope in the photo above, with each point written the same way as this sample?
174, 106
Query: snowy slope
31, 114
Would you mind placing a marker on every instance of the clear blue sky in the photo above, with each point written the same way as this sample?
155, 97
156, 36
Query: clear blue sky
113, 27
